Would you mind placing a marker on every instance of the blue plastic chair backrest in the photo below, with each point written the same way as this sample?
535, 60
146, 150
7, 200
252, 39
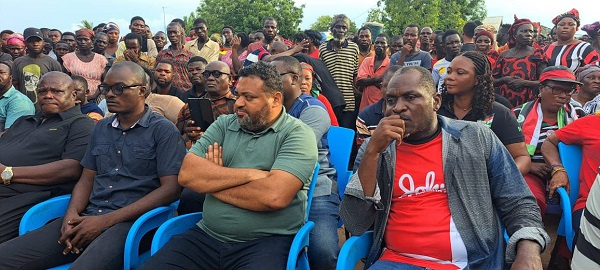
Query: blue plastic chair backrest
38, 215
311, 189
353, 250
176, 225
571, 158
340, 142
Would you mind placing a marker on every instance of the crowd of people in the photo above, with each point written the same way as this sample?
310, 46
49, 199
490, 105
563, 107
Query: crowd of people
456, 142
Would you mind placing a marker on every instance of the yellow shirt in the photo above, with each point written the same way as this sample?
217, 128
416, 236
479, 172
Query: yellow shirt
145, 60
210, 50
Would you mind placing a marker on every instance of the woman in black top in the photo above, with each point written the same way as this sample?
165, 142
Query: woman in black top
468, 94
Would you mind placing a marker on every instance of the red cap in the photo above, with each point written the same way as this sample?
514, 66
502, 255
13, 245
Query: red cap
559, 75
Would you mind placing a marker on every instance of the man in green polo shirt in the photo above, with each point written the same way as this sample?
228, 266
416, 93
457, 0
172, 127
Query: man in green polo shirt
255, 167
13, 104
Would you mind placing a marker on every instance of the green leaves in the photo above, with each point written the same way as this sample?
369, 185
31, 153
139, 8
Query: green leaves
437, 14
248, 15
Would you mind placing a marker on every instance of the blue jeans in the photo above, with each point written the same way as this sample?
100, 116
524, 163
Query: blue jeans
324, 247
387, 265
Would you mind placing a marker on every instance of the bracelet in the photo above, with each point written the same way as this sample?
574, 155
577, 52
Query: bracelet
554, 166
557, 170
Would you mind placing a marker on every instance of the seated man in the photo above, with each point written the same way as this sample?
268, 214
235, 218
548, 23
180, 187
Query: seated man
369, 117
255, 167
88, 108
324, 210
130, 167
163, 80
216, 81
426, 210
40, 154
13, 104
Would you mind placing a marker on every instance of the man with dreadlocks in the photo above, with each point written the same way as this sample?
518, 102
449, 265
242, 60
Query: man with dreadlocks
517, 70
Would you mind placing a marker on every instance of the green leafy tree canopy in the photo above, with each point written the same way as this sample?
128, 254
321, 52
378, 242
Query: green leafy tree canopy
322, 24
437, 14
248, 15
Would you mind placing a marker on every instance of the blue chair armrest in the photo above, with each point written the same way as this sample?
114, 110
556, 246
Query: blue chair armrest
298, 259
38, 215
565, 227
355, 248
145, 223
172, 227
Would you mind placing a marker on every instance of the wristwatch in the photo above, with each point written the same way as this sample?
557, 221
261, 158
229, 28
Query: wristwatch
7, 175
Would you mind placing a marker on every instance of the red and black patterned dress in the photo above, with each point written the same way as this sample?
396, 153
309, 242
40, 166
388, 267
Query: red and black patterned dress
524, 68
572, 56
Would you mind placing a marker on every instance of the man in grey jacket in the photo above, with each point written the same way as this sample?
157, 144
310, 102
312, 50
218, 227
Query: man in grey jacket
436, 190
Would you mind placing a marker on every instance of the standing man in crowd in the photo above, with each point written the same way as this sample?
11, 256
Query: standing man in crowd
28, 70
410, 54
41, 153
426, 38
203, 46
370, 73
421, 205
147, 45
269, 32
452, 44
255, 167
365, 44
467, 37
340, 55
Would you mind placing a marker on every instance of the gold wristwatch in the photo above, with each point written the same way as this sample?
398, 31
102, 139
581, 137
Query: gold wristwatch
7, 175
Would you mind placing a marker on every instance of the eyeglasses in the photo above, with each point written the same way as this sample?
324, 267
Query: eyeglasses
285, 73
117, 89
557, 90
214, 73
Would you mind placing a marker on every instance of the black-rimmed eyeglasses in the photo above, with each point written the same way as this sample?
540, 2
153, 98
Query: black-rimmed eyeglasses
117, 89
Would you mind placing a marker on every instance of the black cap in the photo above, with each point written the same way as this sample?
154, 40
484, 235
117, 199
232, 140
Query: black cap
32, 32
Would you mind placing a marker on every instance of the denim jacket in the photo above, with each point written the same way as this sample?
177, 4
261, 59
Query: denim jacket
484, 188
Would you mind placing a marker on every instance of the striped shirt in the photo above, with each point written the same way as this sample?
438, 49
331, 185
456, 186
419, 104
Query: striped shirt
586, 254
572, 56
343, 66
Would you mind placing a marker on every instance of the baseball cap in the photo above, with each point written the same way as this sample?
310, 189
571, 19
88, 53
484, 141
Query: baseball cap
32, 32
559, 75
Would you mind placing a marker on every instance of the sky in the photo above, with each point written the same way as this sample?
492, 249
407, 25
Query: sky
67, 14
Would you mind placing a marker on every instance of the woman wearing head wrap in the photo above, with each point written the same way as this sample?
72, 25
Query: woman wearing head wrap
16, 46
112, 30
566, 50
484, 43
517, 70
593, 30
309, 88
588, 96
86, 63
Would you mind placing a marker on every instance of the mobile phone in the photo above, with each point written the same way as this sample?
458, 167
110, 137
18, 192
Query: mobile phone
201, 112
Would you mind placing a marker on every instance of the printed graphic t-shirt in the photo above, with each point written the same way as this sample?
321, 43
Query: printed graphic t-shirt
420, 230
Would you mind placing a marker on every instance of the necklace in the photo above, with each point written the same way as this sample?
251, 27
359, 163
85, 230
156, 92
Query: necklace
470, 106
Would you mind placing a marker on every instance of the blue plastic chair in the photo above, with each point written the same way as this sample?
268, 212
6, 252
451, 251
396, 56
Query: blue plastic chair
296, 260
44, 212
353, 250
340, 146
571, 158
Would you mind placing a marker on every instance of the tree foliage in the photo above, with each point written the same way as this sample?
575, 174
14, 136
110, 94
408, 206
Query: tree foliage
437, 14
86, 24
322, 24
248, 15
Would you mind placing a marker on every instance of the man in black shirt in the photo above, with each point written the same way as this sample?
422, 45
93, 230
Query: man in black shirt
40, 153
163, 79
130, 167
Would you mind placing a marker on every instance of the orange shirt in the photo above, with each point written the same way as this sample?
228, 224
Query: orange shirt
372, 93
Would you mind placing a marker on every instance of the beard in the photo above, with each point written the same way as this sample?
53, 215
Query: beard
257, 121
163, 84
339, 40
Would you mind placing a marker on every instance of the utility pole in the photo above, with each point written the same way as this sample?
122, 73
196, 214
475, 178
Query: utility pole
164, 20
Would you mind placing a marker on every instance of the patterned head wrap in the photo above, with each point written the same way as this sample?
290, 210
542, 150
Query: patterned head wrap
573, 14
85, 32
512, 31
586, 70
111, 26
592, 29
16, 40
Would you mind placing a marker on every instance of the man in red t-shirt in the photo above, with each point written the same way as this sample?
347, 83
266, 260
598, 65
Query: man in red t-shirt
584, 132
433, 189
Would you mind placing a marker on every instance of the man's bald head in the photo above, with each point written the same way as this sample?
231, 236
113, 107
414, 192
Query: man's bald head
218, 81
218, 65
278, 47
55, 93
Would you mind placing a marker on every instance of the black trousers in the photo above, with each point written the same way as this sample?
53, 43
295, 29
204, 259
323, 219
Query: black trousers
16, 199
190, 202
195, 249
40, 249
